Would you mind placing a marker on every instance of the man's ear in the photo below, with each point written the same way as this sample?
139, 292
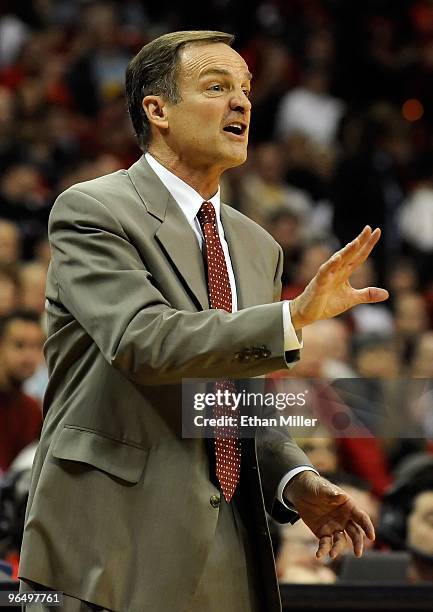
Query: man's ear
156, 111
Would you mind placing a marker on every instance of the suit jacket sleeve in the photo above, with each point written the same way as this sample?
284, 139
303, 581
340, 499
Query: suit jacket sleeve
103, 282
277, 452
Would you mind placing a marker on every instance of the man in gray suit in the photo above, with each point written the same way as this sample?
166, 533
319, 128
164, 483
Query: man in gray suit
124, 514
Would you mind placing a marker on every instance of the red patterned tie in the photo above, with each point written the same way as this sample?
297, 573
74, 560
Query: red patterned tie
227, 442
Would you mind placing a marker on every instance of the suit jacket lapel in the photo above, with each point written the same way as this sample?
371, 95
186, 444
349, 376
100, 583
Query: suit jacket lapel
177, 238
174, 235
242, 253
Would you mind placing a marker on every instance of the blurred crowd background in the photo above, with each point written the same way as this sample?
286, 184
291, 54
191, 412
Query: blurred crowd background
341, 136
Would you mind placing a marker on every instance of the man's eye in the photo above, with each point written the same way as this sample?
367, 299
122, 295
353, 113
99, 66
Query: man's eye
247, 92
216, 87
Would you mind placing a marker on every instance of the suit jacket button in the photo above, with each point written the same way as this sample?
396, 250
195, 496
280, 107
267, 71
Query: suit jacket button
215, 501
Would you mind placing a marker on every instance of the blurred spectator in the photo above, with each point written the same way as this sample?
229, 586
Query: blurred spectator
388, 56
375, 356
420, 536
33, 279
43, 252
367, 186
265, 191
22, 200
13, 32
422, 358
9, 243
402, 278
419, 407
406, 518
58, 143
297, 562
369, 318
314, 254
9, 289
88, 169
313, 357
416, 217
98, 73
8, 144
376, 361
21, 340
274, 69
36, 385
322, 452
411, 320
285, 226
310, 109
335, 336
310, 166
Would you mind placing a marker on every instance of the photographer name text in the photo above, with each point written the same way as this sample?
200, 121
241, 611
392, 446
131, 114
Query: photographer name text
254, 421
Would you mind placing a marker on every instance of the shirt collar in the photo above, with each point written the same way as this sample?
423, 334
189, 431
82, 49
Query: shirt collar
187, 197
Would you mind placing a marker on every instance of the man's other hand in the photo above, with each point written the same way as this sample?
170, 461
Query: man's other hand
329, 293
330, 513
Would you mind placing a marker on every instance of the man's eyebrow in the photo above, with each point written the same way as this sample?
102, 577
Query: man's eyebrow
222, 71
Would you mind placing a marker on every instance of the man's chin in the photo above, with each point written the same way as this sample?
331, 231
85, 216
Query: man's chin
237, 158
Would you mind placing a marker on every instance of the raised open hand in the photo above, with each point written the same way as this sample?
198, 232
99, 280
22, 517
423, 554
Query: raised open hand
330, 513
330, 293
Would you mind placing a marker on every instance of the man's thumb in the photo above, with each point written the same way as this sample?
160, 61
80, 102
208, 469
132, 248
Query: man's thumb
371, 295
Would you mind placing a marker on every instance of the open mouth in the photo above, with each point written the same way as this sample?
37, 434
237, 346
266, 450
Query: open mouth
235, 128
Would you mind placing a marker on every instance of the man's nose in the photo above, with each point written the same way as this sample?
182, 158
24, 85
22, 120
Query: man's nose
240, 102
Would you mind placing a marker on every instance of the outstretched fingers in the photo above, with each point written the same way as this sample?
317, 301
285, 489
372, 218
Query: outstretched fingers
357, 251
356, 534
361, 518
339, 544
366, 249
351, 249
325, 545
331, 265
333, 545
350, 254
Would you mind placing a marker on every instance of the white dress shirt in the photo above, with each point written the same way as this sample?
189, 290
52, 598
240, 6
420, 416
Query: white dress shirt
190, 202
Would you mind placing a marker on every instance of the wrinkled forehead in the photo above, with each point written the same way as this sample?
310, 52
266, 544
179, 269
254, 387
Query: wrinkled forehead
198, 59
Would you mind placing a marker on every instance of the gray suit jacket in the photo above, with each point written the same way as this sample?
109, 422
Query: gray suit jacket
119, 500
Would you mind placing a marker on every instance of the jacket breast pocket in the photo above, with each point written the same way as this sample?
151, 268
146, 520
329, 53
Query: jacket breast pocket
115, 457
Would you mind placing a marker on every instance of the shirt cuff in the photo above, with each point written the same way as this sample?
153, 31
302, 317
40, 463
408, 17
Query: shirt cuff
292, 339
285, 479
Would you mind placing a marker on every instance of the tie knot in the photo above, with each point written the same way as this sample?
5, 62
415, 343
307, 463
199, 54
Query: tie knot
206, 214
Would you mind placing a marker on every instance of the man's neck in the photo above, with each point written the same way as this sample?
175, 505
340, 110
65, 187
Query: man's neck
203, 181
